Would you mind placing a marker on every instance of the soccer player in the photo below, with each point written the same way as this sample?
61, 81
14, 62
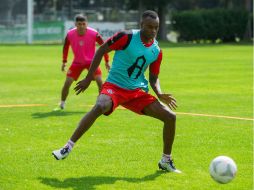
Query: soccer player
135, 51
82, 40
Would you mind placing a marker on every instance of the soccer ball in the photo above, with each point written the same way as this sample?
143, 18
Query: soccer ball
223, 169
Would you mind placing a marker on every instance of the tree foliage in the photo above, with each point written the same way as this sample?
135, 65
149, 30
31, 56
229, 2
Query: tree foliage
211, 24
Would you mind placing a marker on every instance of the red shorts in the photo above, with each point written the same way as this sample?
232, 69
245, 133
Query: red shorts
76, 69
134, 100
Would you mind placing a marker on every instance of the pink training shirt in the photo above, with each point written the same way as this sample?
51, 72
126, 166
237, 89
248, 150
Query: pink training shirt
83, 46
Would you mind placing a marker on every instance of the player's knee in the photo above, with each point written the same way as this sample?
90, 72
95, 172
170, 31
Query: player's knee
170, 117
101, 107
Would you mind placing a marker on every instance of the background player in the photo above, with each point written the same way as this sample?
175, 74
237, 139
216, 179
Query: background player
82, 40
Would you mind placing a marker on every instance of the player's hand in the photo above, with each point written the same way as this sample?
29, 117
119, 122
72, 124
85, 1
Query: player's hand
169, 100
107, 66
63, 66
82, 85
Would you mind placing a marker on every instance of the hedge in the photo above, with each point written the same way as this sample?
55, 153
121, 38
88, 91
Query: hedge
210, 24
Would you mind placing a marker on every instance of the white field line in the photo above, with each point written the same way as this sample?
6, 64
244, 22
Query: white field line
122, 108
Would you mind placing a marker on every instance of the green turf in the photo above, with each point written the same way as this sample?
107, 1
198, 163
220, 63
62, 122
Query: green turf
122, 151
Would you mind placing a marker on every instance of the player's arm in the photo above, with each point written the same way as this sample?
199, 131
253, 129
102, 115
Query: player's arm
65, 52
154, 81
154, 70
100, 41
117, 42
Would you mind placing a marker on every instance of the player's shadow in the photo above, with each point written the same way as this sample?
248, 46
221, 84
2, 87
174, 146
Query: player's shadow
90, 182
39, 115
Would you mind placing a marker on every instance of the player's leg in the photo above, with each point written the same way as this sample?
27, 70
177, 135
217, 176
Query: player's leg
103, 105
64, 93
99, 82
73, 74
98, 78
168, 117
65, 90
143, 103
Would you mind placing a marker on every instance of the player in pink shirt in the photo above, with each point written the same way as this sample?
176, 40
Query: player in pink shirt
82, 40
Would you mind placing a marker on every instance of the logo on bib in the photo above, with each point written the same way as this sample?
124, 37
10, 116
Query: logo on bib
110, 91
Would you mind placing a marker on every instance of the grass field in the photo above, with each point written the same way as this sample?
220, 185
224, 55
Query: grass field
121, 152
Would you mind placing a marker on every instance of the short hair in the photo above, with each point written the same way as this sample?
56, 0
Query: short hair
149, 13
80, 18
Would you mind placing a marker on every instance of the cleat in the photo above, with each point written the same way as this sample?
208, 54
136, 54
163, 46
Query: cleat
58, 108
61, 153
168, 166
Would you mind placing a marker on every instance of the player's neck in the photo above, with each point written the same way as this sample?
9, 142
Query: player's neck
81, 32
146, 41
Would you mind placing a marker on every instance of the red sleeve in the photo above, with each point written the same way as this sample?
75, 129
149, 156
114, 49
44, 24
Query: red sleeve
155, 66
119, 41
66, 49
100, 41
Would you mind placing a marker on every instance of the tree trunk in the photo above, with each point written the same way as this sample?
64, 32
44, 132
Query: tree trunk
162, 34
141, 9
249, 30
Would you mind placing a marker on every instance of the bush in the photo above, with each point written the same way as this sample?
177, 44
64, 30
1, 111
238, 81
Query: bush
210, 24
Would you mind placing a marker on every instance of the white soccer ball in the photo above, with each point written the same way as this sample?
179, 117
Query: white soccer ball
223, 169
